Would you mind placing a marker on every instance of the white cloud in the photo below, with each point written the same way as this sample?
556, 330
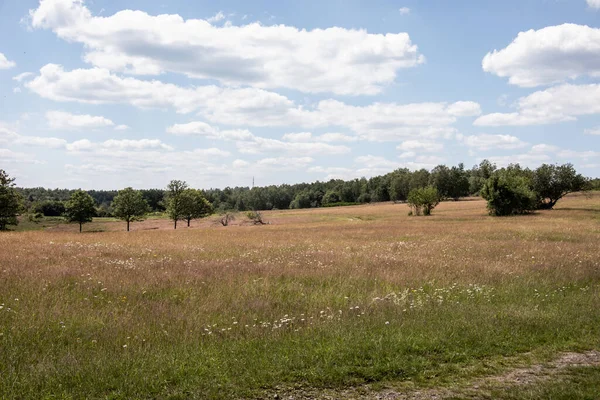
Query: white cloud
544, 148
550, 55
240, 163
17, 90
335, 137
404, 11
23, 76
531, 160
117, 145
488, 142
5, 63
557, 104
99, 86
8, 136
9, 156
122, 128
67, 121
216, 18
286, 162
338, 60
212, 152
298, 137
594, 3
420, 145
593, 131
251, 107
260, 145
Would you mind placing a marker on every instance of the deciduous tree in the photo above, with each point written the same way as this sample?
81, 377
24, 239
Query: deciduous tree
129, 205
80, 208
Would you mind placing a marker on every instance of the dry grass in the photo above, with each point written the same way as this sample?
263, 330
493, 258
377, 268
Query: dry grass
326, 298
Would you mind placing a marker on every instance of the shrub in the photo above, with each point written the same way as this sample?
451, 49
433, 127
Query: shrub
256, 217
423, 200
509, 193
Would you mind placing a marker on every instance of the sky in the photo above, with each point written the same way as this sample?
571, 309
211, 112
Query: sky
100, 94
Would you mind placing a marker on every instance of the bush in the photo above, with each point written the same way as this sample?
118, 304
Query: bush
50, 208
509, 193
423, 200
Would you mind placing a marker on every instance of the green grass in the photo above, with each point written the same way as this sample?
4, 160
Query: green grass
429, 344
577, 383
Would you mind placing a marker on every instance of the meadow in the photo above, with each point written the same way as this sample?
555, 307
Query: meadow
339, 302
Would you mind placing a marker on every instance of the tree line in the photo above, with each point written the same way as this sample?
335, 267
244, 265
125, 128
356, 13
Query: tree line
510, 190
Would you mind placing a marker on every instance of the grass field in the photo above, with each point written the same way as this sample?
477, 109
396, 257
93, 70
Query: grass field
359, 298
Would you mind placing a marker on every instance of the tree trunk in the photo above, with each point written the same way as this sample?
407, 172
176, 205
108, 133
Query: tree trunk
127, 226
80, 225
189, 222
175, 224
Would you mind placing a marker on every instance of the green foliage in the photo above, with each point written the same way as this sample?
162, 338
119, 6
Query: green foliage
193, 205
423, 200
50, 208
129, 205
553, 182
451, 183
330, 197
80, 208
256, 217
10, 201
508, 192
175, 206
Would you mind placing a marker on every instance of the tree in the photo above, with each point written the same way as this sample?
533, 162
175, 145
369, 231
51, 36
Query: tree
175, 208
194, 205
80, 208
553, 182
129, 205
331, 197
423, 200
508, 192
10, 201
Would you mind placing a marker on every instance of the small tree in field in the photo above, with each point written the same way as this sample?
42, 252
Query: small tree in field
175, 208
80, 208
193, 205
129, 205
553, 182
509, 193
423, 200
10, 201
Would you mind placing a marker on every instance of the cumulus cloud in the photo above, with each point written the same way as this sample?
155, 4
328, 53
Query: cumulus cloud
404, 11
67, 121
216, 18
8, 136
594, 3
286, 162
593, 131
21, 77
338, 60
9, 156
554, 54
558, 104
251, 106
260, 145
488, 142
420, 145
100, 86
5, 63
326, 137
118, 144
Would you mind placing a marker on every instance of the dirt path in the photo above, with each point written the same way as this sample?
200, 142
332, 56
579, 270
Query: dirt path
477, 389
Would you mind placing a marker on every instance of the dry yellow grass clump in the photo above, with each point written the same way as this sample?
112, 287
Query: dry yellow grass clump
324, 298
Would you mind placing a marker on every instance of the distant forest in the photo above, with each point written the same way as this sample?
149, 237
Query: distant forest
451, 183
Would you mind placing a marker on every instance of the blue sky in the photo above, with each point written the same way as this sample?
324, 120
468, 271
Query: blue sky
104, 94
